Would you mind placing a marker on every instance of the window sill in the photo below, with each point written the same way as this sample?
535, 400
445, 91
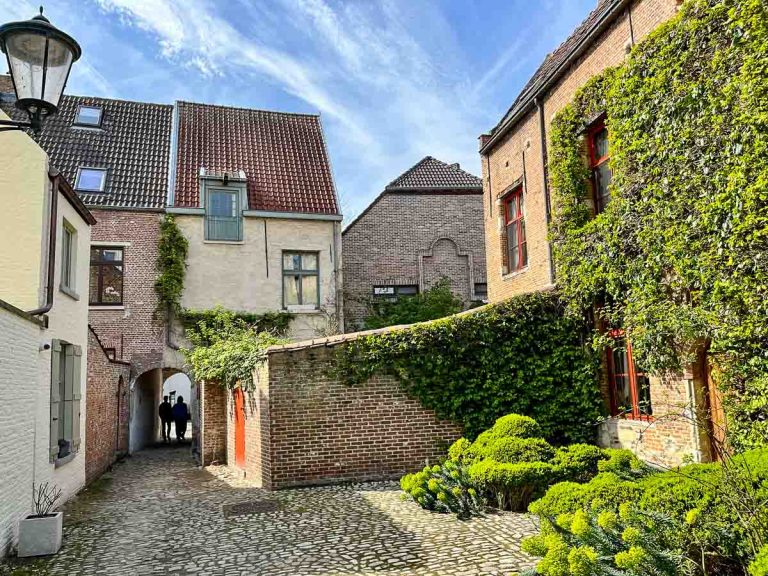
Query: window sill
515, 273
69, 292
59, 462
302, 309
96, 307
225, 242
633, 419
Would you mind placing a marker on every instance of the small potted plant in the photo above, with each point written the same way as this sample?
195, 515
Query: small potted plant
40, 533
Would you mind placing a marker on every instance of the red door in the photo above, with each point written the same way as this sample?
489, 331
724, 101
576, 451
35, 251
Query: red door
239, 428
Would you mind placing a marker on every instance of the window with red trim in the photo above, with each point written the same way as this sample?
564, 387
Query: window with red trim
598, 162
630, 387
514, 221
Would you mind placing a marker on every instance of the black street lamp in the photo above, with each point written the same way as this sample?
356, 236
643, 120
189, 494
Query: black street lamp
40, 57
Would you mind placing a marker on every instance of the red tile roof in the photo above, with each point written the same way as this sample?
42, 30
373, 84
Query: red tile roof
284, 157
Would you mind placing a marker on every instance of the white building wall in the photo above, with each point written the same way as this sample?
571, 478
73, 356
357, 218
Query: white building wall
19, 356
247, 276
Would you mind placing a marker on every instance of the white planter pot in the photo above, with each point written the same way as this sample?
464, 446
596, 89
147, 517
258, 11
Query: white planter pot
40, 535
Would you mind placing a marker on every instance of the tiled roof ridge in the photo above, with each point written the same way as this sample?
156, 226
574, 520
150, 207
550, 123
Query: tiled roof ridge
409, 171
243, 108
397, 183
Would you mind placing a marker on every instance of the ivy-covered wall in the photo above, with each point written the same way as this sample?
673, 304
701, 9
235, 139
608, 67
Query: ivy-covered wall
679, 258
523, 355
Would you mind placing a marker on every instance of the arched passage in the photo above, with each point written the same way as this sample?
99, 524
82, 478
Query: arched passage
146, 395
176, 386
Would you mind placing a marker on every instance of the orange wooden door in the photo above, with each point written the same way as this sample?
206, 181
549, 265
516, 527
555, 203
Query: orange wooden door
239, 428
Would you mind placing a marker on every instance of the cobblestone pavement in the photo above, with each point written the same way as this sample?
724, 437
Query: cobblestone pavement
159, 514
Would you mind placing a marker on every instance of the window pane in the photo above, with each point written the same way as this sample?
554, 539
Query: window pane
90, 179
291, 261
621, 383
601, 144
112, 284
112, 255
66, 258
512, 246
644, 395
603, 177
291, 290
309, 262
512, 208
481, 289
407, 290
89, 115
309, 289
222, 204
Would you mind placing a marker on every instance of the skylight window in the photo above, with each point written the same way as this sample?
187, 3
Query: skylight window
91, 179
88, 116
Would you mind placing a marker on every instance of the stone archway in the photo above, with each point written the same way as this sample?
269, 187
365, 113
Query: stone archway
444, 258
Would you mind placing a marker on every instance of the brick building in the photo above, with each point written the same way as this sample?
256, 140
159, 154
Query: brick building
517, 213
425, 225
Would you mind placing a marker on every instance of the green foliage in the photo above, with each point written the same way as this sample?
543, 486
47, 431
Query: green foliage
680, 255
516, 426
522, 355
519, 450
759, 566
713, 515
226, 349
435, 302
578, 462
444, 488
171, 266
623, 463
276, 323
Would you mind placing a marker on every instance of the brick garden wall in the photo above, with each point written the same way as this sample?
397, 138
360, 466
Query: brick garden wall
107, 409
304, 427
397, 241
213, 421
132, 329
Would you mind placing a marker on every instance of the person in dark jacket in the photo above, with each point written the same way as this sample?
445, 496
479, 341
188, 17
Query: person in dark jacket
166, 415
180, 417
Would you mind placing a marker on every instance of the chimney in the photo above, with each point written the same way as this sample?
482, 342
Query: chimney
455, 165
484, 139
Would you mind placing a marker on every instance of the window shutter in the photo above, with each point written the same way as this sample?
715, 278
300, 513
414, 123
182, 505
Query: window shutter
53, 443
77, 358
69, 367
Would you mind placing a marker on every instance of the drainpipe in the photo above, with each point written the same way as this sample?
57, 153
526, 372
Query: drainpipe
545, 180
51, 250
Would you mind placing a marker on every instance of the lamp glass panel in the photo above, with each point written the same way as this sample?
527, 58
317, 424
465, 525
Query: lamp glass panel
26, 54
59, 63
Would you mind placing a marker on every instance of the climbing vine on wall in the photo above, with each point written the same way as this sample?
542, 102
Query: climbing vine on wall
276, 323
679, 258
171, 266
523, 355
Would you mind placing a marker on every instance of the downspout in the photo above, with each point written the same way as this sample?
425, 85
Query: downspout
545, 181
51, 250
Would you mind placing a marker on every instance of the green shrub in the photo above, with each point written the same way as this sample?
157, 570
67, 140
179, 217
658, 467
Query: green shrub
435, 302
514, 485
459, 449
623, 463
759, 566
578, 462
444, 488
511, 450
516, 426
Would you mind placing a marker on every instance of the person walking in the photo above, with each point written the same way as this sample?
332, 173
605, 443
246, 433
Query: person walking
166, 415
180, 417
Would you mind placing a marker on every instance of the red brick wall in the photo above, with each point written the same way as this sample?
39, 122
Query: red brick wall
213, 424
106, 416
132, 330
303, 427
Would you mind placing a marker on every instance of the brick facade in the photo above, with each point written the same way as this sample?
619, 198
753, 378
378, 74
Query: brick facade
133, 329
212, 403
107, 409
303, 427
519, 157
413, 239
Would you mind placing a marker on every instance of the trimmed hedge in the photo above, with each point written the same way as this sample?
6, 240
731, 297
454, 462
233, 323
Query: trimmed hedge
523, 355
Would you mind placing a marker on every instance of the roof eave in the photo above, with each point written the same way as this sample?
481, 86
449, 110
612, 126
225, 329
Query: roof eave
537, 89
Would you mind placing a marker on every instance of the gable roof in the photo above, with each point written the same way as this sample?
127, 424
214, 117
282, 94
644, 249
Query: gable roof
132, 143
555, 61
283, 156
432, 174
428, 176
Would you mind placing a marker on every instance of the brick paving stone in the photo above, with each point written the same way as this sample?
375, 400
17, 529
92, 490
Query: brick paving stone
159, 514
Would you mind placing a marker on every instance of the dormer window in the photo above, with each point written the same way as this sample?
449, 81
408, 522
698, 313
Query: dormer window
91, 179
88, 116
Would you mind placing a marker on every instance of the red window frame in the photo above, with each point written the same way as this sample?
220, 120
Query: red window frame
632, 375
513, 214
596, 162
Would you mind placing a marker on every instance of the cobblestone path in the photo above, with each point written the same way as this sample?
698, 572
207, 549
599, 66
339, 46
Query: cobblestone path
159, 514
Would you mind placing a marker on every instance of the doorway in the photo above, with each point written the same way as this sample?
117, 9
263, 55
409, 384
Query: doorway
239, 428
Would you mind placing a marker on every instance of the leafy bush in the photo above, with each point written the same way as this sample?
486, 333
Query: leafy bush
623, 463
522, 355
444, 488
510, 450
759, 566
513, 484
276, 323
226, 350
578, 462
678, 257
516, 426
715, 514
171, 266
435, 302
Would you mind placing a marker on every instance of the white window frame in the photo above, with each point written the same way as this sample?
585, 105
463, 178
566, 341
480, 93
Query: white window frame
96, 124
92, 169
68, 272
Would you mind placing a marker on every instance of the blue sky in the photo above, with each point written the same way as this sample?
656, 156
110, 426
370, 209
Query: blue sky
393, 80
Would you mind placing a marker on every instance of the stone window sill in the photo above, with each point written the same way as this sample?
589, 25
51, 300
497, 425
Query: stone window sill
69, 292
301, 310
106, 308
510, 275
59, 462
225, 242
